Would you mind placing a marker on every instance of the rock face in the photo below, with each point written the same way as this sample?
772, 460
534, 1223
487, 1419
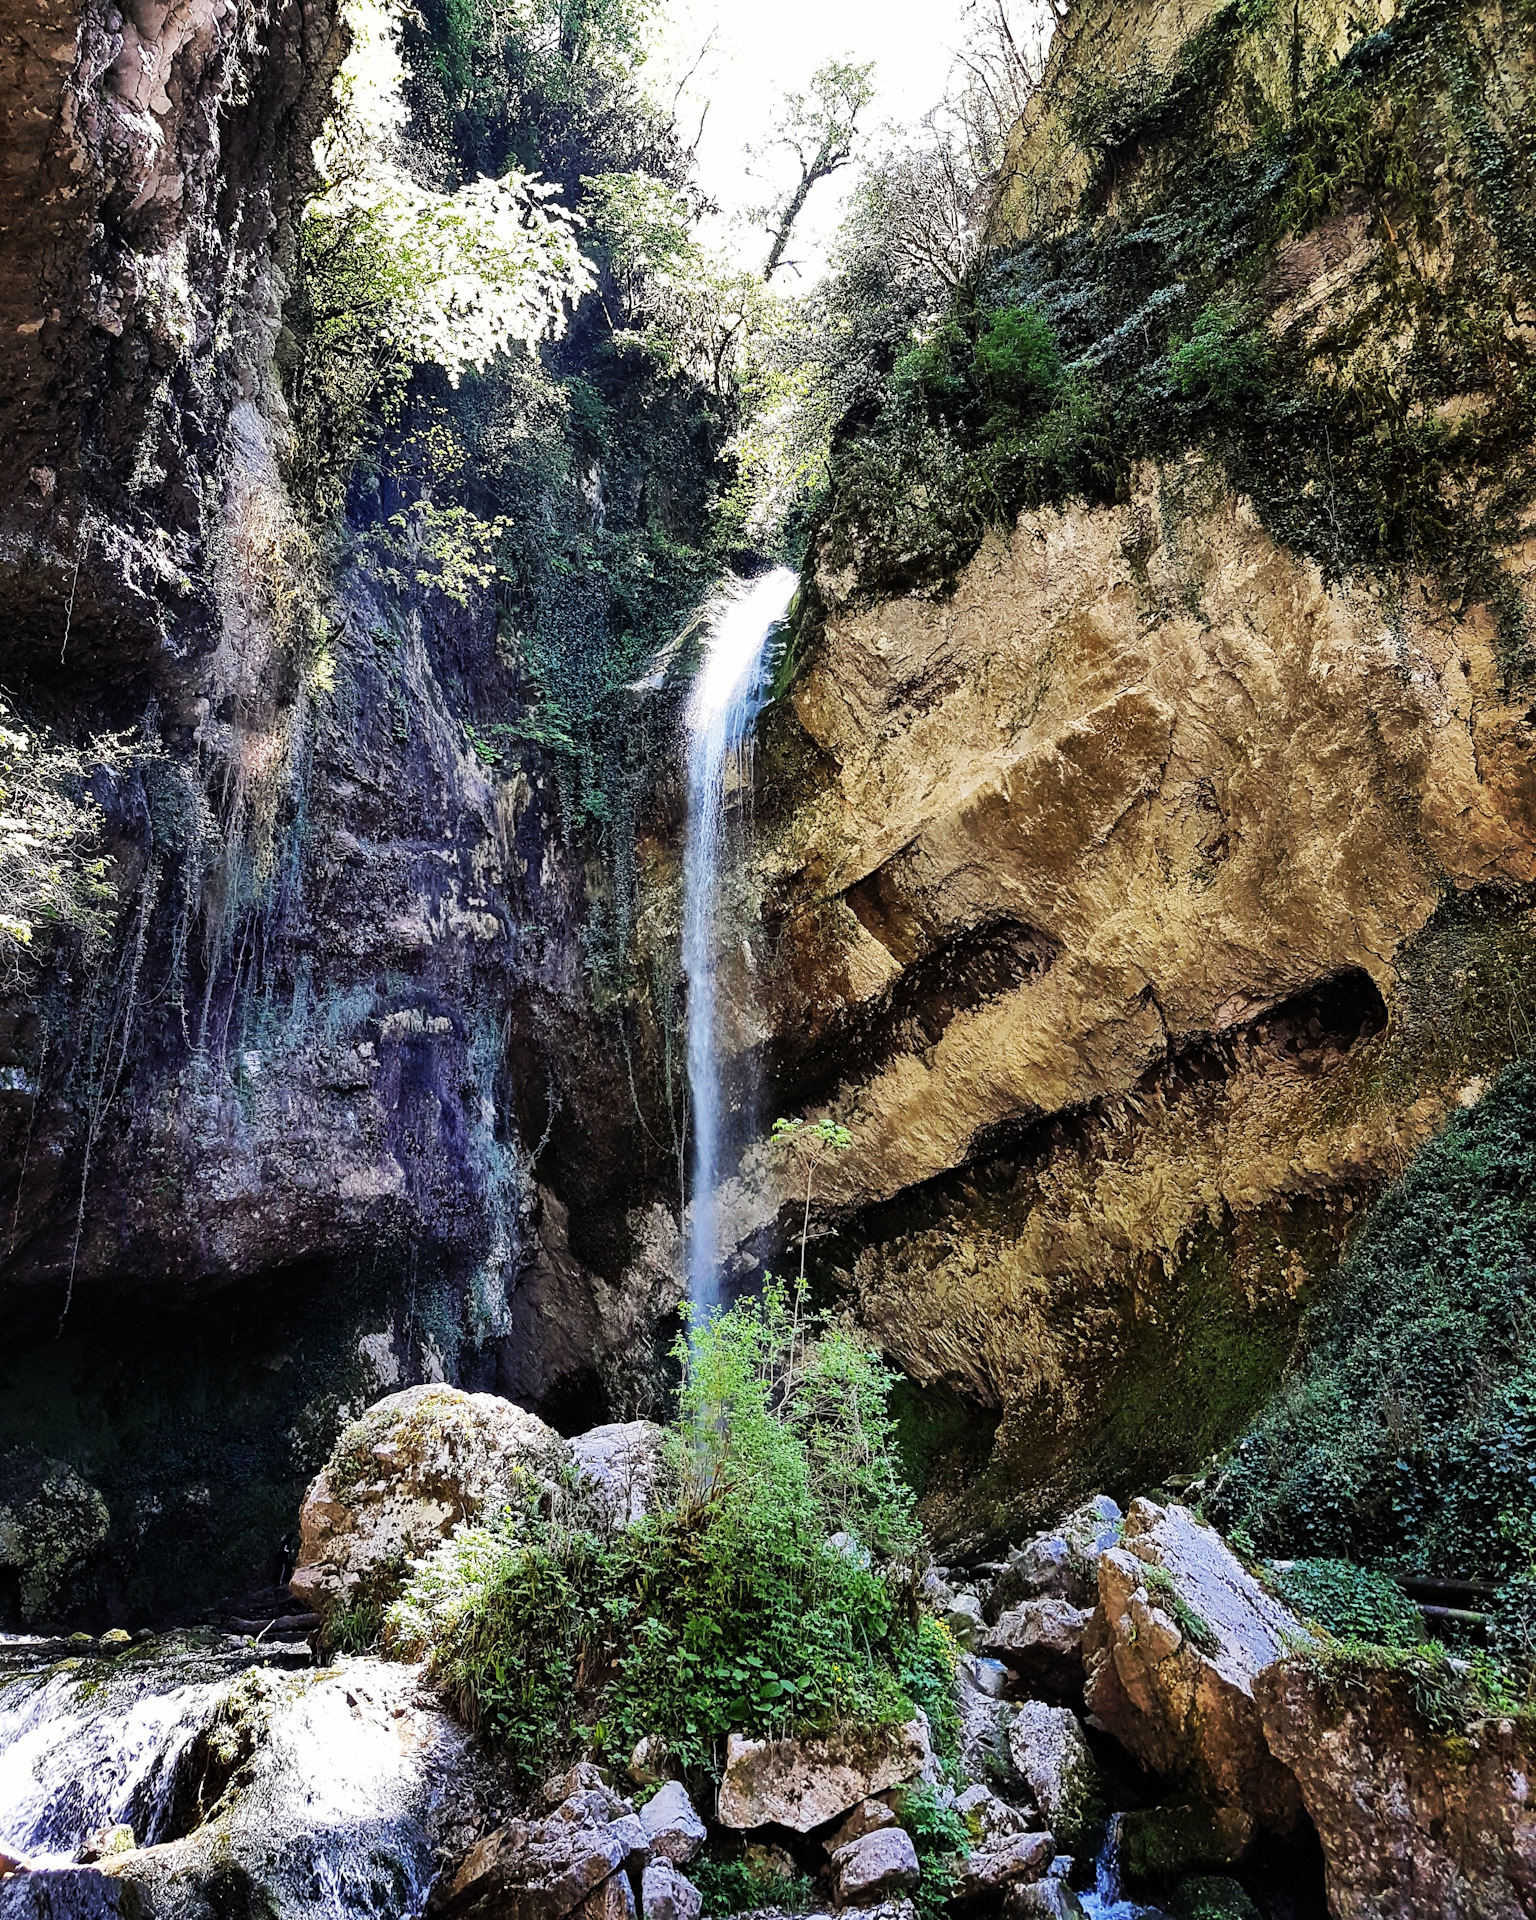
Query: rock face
416, 1465
1410, 1824
804, 1783
1180, 1636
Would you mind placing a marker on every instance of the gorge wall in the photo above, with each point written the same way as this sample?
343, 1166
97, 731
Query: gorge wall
1140, 860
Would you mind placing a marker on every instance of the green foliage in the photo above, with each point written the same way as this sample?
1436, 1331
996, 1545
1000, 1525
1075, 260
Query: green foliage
1017, 357
1196, 1629
941, 1842
54, 872
772, 1591
1400, 439
738, 1886
1225, 358
1408, 1427
1350, 1602
1444, 1692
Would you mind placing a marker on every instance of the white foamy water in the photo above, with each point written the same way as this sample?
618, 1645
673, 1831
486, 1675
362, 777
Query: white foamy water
726, 699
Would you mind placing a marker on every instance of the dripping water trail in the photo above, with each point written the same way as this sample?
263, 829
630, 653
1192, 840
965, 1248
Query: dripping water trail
726, 699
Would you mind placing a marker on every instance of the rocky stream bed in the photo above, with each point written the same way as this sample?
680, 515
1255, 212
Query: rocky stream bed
1145, 1729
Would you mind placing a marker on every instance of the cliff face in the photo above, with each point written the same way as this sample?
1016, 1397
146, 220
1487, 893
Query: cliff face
271, 1143
1142, 893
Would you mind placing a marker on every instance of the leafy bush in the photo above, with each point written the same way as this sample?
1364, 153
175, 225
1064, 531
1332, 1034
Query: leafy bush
941, 1842
737, 1886
1226, 357
1018, 357
1406, 1435
772, 1591
1350, 1602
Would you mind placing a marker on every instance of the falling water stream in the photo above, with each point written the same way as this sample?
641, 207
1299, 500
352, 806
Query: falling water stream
726, 699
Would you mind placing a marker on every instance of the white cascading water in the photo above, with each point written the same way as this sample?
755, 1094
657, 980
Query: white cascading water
726, 699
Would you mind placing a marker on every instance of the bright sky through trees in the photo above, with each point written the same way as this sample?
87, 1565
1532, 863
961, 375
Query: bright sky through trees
763, 49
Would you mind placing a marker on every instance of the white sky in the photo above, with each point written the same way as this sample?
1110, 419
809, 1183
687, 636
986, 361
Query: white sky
766, 48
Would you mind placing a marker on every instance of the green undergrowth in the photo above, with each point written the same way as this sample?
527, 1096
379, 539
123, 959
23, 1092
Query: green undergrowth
1404, 1438
740, 1886
771, 1590
1446, 1692
1348, 1601
1151, 322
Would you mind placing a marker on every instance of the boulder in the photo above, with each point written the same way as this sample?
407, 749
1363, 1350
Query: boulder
613, 1900
805, 1783
1411, 1823
988, 1818
1048, 1900
649, 1763
1059, 1563
51, 1522
867, 1817
1042, 1642
1159, 1843
672, 1827
962, 1615
874, 1867
1004, 1862
1179, 1636
401, 1479
666, 1894
541, 1871
1051, 1756
620, 1464
985, 1717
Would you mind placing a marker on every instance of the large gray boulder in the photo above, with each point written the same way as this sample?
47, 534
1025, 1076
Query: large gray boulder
1041, 1642
874, 1867
1181, 1633
620, 1464
805, 1783
1052, 1757
402, 1477
666, 1894
1058, 1563
1006, 1861
673, 1828
1412, 1824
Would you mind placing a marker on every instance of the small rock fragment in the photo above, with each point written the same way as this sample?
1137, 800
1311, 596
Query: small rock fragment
867, 1817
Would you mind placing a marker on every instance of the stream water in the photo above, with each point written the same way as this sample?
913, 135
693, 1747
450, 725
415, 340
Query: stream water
726, 699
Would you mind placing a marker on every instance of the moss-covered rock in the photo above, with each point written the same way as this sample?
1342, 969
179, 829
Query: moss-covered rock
51, 1523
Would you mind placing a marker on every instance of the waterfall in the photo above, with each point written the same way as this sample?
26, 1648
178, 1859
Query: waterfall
724, 704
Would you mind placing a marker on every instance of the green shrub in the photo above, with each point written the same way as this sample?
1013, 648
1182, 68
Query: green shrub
1018, 358
1353, 1603
941, 1842
737, 1886
1226, 356
772, 1590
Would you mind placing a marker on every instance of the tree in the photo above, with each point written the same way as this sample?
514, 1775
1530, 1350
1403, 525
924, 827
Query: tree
821, 131
812, 1143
